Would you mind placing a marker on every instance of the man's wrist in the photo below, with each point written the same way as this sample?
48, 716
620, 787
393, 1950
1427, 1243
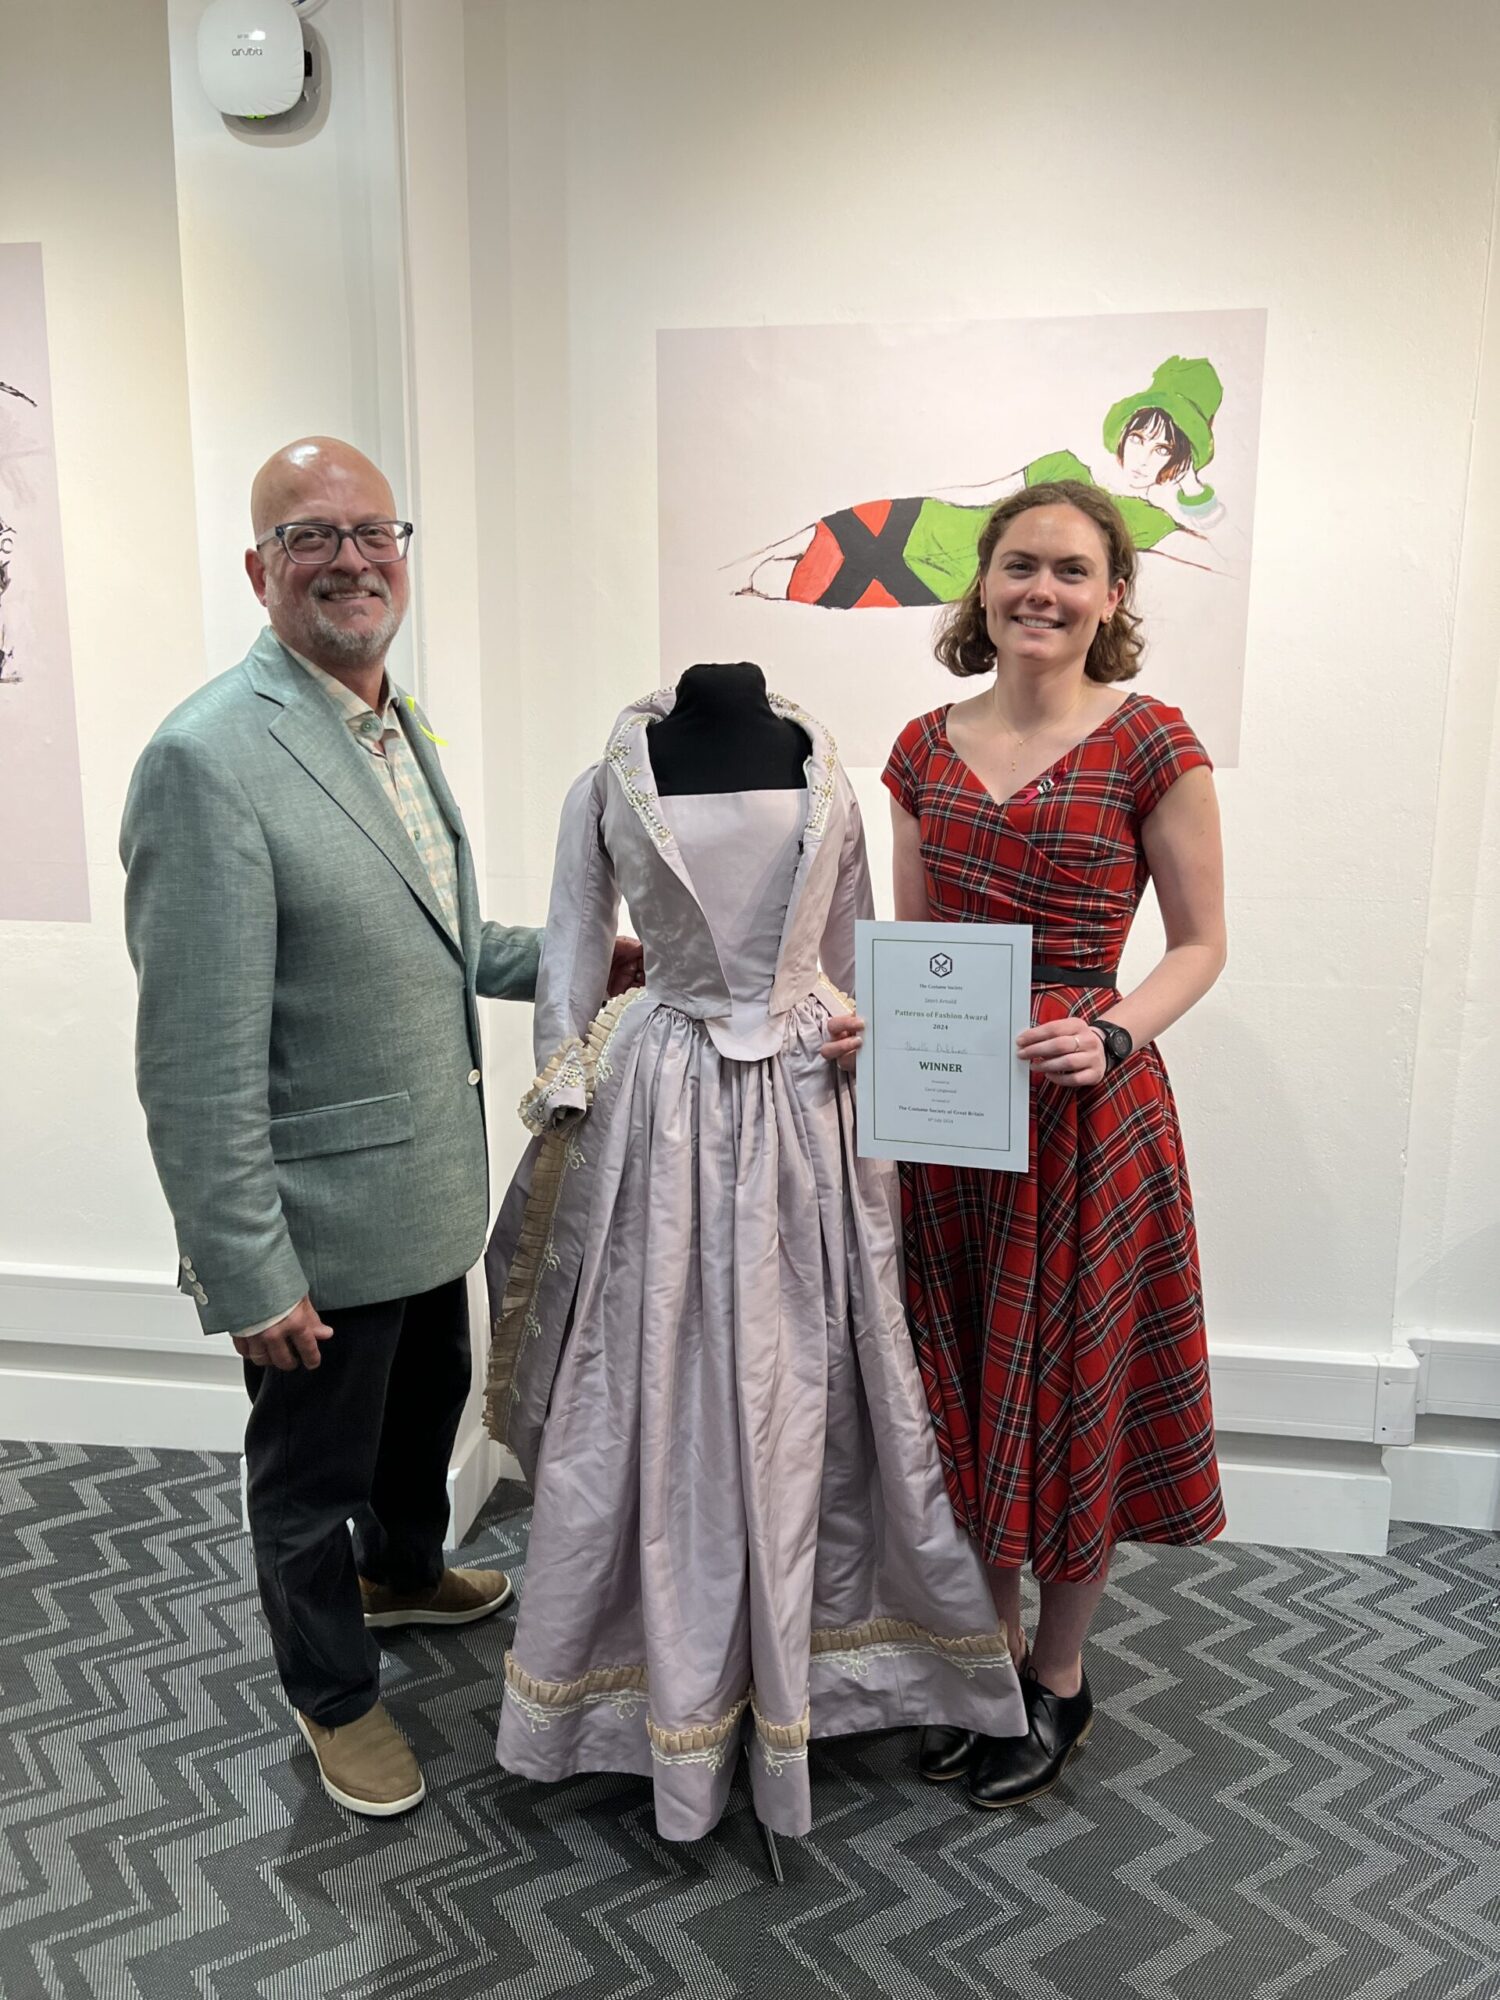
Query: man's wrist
262, 1326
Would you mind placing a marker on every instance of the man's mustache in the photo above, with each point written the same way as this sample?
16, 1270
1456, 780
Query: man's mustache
368, 583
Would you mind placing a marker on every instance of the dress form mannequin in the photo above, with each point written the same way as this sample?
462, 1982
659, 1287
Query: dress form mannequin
724, 736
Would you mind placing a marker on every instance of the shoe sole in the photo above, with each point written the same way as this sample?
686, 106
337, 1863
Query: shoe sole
366, 1808
388, 1620
1041, 1791
942, 1777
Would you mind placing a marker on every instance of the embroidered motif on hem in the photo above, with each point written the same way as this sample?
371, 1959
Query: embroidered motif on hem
621, 1688
625, 1689
781, 1743
855, 1646
708, 1743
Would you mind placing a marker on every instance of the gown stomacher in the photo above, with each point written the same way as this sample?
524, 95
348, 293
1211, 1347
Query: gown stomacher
741, 1534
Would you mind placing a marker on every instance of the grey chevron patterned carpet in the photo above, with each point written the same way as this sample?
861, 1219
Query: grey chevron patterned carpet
1293, 1793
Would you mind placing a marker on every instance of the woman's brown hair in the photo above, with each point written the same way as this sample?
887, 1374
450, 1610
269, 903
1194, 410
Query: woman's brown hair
963, 644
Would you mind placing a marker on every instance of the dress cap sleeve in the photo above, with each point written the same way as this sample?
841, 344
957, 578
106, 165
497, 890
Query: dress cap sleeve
1163, 749
906, 767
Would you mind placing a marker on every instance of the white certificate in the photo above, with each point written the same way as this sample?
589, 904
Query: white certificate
938, 1078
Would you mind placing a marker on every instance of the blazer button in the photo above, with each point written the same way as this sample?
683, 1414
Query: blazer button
473, 1076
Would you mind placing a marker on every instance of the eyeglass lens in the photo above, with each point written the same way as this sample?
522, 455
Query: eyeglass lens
319, 541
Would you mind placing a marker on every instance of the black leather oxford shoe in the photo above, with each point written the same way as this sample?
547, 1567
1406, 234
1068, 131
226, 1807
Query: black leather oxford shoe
1008, 1770
944, 1753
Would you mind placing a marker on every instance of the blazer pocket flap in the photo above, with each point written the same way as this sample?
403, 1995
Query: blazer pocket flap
343, 1128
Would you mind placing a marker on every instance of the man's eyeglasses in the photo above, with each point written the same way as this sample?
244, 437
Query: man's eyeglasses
320, 541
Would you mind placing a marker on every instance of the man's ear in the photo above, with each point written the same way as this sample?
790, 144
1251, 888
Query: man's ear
255, 569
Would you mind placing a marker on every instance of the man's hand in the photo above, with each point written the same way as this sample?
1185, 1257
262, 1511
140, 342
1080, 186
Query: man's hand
292, 1342
627, 967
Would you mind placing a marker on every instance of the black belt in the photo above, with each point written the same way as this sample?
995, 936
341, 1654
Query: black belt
1074, 975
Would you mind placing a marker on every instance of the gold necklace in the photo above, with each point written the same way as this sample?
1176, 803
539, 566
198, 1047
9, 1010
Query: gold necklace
1053, 722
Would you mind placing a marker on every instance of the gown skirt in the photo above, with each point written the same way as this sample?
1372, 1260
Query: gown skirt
741, 1538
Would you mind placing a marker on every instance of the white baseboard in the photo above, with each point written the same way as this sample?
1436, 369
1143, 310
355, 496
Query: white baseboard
1449, 1475
1321, 1448
1301, 1494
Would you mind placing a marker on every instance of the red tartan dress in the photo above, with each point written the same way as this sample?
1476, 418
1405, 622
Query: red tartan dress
1058, 1315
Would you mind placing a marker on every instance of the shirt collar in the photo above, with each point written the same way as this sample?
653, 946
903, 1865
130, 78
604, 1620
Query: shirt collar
354, 711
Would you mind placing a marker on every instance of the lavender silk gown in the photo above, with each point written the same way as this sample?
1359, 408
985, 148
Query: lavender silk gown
700, 1356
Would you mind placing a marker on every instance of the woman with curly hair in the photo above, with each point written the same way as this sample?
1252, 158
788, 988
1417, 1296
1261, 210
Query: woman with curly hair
1058, 1314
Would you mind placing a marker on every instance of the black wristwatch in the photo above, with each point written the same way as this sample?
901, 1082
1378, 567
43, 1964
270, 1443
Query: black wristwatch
1116, 1040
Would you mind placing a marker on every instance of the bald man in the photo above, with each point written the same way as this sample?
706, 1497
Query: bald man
301, 911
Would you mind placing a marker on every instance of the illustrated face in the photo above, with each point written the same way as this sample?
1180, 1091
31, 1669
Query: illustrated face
344, 612
1047, 586
1146, 452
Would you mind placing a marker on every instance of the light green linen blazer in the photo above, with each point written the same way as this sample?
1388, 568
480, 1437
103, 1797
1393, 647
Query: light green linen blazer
307, 1041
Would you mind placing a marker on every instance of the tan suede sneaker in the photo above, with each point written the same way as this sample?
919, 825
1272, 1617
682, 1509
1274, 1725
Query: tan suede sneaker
366, 1765
461, 1596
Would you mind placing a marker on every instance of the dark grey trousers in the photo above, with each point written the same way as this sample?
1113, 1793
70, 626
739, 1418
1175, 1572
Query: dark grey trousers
367, 1436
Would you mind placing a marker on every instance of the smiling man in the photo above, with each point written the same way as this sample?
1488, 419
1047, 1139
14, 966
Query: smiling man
301, 911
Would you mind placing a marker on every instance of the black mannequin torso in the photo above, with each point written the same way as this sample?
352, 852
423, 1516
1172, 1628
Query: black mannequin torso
724, 736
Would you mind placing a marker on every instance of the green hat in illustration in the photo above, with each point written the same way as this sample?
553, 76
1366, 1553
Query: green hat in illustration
1189, 392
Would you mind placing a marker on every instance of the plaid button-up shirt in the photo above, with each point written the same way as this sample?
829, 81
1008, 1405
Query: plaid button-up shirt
393, 766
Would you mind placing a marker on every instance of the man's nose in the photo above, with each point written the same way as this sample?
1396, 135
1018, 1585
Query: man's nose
349, 558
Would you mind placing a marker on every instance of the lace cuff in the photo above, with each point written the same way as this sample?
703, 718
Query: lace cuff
564, 1091
560, 1095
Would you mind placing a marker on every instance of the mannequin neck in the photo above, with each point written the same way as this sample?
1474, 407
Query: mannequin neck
714, 693
724, 736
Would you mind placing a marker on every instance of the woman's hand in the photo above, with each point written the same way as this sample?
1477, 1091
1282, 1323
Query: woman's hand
1067, 1051
846, 1037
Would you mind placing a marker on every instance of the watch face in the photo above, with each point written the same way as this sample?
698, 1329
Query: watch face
1117, 1041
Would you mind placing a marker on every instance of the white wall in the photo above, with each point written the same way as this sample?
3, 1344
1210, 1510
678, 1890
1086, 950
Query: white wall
292, 286
662, 163
1449, 1272
88, 172
461, 264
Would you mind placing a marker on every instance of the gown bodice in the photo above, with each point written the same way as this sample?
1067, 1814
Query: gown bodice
740, 850
745, 902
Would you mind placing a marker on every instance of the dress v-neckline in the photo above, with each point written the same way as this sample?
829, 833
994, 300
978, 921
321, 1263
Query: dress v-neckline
1072, 750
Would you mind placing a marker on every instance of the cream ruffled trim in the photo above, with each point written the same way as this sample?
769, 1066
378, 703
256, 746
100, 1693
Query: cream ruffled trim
534, 1252
565, 1075
901, 1632
625, 1686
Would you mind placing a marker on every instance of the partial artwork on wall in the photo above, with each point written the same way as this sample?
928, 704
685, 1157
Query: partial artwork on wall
44, 875
822, 490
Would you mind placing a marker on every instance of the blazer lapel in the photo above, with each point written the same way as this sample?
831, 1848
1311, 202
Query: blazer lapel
308, 727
